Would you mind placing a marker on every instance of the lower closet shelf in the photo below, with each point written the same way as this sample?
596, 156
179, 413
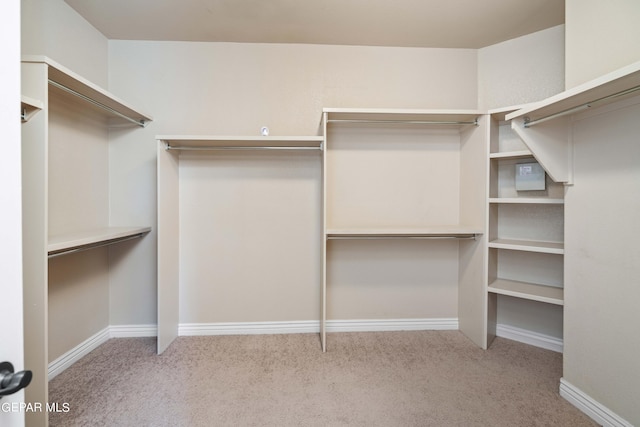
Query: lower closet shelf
78, 241
530, 291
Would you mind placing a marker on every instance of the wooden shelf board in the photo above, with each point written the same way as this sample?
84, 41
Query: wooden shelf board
453, 231
528, 246
511, 154
530, 291
62, 75
240, 141
527, 200
617, 81
76, 240
501, 113
389, 114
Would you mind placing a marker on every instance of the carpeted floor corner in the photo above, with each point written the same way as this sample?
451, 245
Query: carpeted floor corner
421, 378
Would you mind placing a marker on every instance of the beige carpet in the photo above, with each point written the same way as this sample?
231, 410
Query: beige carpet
426, 378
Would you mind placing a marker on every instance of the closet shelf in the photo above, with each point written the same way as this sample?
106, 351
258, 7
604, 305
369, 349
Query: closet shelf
530, 291
455, 119
527, 200
216, 142
441, 232
608, 88
79, 241
28, 107
511, 154
528, 246
63, 79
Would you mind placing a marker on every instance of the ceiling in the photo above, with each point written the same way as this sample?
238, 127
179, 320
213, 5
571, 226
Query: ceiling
409, 23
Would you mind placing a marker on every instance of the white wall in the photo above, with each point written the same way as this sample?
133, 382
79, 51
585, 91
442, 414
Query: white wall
11, 336
52, 28
525, 69
234, 89
602, 36
602, 261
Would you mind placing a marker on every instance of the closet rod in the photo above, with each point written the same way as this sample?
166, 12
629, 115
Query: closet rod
241, 148
94, 245
415, 122
528, 122
140, 123
401, 236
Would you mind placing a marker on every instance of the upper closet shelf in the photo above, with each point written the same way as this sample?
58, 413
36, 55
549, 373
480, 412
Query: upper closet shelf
436, 232
80, 241
212, 143
66, 80
28, 107
444, 118
608, 88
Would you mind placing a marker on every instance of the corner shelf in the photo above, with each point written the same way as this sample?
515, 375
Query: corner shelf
529, 291
528, 246
511, 154
527, 200
79, 241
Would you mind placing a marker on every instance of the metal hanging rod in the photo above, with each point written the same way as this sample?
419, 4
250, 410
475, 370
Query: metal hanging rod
140, 123
400, 236
240, 148
413, 122
93, 245
528, 122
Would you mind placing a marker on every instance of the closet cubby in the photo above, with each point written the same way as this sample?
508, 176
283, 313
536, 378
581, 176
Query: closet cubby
66, 228
401, 174
526, 228
238, 228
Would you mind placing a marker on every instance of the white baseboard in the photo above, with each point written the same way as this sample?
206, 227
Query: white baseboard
116, 331
374, 325
133, 331
595, 410
248, 328
530, 337
72, 356
313, 326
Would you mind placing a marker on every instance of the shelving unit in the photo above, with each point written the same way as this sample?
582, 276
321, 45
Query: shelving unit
546, 126
66, 205
405, 175
271, 226
525, 228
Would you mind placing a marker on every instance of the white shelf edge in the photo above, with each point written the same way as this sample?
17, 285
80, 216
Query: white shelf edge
64, 76
511, 154
608, 84
401, 111
238, 138
419, 232
529, 291
73, 241
527, 200
528, 246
